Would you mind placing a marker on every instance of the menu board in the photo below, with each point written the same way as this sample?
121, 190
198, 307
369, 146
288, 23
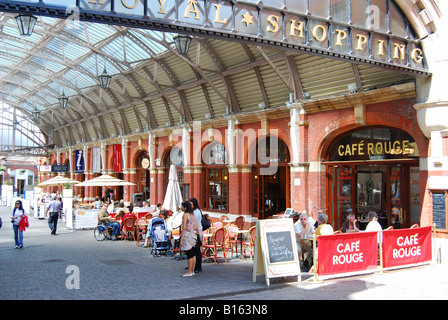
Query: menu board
279, 246
439, 210
276, 250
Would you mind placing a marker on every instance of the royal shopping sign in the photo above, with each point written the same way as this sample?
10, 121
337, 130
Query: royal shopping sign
285, 23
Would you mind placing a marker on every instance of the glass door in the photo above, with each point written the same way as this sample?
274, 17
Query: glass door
342, 194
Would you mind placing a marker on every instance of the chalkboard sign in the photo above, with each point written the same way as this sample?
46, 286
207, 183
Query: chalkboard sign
275, 250
279, 246
439, 210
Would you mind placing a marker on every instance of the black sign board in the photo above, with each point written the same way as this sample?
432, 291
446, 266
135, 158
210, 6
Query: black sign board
279, 246
60, 168
439, 210
276, 250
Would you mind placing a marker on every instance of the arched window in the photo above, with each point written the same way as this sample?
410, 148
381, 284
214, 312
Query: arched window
214, 157
175, 157
142, 164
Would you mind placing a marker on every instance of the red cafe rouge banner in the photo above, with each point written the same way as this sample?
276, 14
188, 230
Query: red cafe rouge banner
350, 252
406, 246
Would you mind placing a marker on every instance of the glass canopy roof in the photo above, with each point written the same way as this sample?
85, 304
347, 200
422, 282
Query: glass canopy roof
66, 55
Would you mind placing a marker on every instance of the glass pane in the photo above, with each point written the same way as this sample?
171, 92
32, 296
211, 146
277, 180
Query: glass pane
319, 8
360, 16
297, 5
215, 153
344, 187
377, 17
318, 33
368, 193
415, 194
340, 10
395, 198
397, 24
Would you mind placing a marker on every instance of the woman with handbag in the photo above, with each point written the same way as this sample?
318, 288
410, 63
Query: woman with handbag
189, 237
16, 216
198, 214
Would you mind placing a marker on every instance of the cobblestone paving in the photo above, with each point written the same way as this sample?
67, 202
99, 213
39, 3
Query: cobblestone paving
45, 269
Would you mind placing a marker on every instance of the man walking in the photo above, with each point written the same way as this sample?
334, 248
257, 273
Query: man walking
54, 208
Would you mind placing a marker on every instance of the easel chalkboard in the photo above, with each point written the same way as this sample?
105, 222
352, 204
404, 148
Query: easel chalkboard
439, 210
276, 250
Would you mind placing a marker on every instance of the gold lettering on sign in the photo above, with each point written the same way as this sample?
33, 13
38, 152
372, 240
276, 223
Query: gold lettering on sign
195, 9
362, 39
323, 31
381, 47
162, 7
417, 55
371, 149
128, 6
399, 48
273, 21
217, 18
341, 35
296, 28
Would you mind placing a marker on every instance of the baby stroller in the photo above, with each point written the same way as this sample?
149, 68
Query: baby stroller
160, 240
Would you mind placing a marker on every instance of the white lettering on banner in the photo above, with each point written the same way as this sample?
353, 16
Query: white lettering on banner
411, 247
349, 253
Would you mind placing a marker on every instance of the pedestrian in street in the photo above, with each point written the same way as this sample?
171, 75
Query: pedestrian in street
16, 216
198, 214
189, 236
53, 210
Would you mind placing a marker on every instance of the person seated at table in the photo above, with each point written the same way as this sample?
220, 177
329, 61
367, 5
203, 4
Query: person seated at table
130, 214
351, 225
159, 208
119, 216
120, 204
104, 217
130, 207
145, 204
304, 231
373, 224
323, 227
97, 204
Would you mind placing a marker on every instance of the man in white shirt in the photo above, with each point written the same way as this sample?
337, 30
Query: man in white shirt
304, 234
53, 210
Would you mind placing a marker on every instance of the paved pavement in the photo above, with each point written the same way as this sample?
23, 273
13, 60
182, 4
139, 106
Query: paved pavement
48, 266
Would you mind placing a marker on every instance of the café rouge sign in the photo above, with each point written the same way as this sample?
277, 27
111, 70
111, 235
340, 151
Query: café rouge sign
375, 148
269, 24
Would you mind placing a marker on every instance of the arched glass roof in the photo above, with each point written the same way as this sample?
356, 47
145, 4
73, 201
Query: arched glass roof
18, 134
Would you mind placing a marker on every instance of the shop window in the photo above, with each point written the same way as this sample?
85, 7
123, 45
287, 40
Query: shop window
216, 177
175, 157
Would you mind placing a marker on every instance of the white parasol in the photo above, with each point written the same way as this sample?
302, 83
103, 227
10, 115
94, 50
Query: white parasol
173, 196
105, 180
58, 181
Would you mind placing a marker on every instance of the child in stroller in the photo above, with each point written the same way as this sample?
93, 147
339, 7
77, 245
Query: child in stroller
160, 239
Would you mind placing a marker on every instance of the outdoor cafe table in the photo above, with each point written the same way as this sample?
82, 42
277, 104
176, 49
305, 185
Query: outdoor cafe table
240, 235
